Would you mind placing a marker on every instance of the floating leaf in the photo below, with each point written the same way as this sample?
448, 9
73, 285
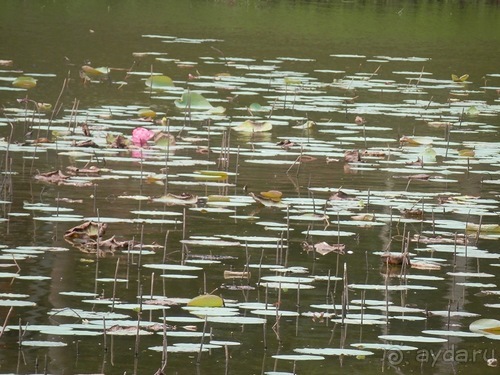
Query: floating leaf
212, 175
194, 101
86, 230
256, 107
274, 195
53, 177
487, 228
333, 351
146, 113
159, 82
324, 248
416, 140
46, 344
95, 72
44, 107
173, 199
206, 300
488, 326
164, 139
467, 153
462, 78
404, 338
298, 357
24, 82
250, 126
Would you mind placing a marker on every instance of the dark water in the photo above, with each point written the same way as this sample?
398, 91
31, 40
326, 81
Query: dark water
55, 38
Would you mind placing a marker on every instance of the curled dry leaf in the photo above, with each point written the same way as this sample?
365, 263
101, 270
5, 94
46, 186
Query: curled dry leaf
352, 156
112, 244
364, 217
286, 144
417, 162
89, 229
90, 170
340, 195
412, 214
374, 153
396, 258
324, 248
270, 201
87, 143
85, 129
53, 177
118, 141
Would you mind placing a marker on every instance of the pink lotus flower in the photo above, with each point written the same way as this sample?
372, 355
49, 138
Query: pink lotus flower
141, 136
359, 120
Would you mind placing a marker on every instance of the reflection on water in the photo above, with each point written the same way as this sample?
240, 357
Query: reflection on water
326, 62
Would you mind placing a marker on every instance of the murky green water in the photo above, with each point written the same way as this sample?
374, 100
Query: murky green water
389, 63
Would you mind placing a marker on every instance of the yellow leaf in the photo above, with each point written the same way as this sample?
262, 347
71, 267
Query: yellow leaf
206, 300
466, 152
462, 78
274, 195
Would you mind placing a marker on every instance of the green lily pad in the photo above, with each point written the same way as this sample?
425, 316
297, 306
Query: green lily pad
206, 300
24, 82
159, 82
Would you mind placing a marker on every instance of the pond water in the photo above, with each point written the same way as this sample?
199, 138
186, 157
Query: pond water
288, 149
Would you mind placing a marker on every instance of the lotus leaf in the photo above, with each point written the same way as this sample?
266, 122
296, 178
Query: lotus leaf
146, 113
250, 126
164, 139
206, 300
462, 78
159, 82
88, 73
192, 100
24, 82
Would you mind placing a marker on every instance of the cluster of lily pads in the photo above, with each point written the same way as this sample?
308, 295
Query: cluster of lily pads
184, 156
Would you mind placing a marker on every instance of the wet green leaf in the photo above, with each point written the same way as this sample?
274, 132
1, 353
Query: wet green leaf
160, 82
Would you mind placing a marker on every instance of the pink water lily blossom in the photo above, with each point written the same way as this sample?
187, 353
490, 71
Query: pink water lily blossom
140, 136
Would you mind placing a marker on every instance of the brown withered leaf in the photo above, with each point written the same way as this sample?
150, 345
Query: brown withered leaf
373, 153
395, 258
89, 229
412, 214
85, 130
87, 143
324, 248
352, 156
42, 140
90, 170
111, 244
53, 177
339, 195
117, 142
417, 162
